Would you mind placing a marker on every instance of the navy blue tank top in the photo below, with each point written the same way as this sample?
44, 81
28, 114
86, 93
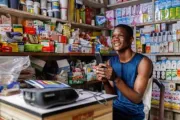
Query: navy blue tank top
128, 73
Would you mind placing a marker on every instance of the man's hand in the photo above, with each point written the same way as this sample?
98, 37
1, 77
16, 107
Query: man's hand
100, 73
26, 74
105, 72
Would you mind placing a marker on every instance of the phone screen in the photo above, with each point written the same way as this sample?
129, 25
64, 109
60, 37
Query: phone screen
98, 58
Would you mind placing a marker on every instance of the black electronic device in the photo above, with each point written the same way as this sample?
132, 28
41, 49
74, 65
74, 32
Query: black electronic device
48, 98
98, 58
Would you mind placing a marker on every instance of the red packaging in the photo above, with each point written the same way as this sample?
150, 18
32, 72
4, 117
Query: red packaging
62, 39
88, 15
49, 48
6, 49
30, 30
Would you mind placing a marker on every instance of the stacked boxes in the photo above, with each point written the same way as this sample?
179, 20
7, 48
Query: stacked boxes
167, 70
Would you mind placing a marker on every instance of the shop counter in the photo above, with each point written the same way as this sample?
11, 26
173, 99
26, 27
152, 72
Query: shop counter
89, 106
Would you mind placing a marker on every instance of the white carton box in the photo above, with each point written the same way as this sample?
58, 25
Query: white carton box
63, 65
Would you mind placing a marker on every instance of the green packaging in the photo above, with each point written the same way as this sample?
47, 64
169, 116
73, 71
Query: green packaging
172, 13
162, 14
167, 14
33, 48
168, 75
177, 12
174, 75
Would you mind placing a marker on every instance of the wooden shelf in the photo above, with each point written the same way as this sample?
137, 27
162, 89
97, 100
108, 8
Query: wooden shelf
157, 22
128, 3
170, 81
24, 14
167, 109
44, 54
86, 26
93, 4
49, 54
163, 54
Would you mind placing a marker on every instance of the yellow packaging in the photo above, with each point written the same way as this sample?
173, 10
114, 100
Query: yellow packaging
77, 15
71, 10
145, 18
18, 28
14, 46
96, 33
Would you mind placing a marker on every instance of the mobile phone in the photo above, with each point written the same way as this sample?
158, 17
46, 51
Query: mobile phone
98, 58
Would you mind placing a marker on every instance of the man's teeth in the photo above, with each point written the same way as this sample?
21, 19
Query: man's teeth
116, 44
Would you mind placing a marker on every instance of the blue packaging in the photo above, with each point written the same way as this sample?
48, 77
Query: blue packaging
118, 13
4, 3
55, 5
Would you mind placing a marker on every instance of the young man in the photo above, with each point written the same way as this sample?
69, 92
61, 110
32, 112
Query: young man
129, 72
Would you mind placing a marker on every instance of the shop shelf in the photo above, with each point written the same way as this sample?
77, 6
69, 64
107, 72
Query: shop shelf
44, 54
128, 3
93, 4
86, 26
24, 14
163, 54
167, 109
171, 81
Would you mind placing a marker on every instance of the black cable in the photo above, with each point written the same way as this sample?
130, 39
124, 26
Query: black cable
95, 95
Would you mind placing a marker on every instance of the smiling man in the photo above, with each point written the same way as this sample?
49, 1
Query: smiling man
129, 72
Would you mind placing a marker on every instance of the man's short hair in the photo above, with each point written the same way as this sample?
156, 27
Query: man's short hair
128, 29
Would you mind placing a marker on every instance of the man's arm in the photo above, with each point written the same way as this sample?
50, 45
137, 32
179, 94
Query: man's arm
135, 95
102, 74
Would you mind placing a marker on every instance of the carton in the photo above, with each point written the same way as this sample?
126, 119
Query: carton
168, 75
174, 74
168, 64
63, 65
37, 63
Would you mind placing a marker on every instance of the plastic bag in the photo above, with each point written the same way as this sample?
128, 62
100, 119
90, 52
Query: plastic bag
10, 68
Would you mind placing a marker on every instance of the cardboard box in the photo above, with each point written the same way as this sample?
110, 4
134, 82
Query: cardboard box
63, 65
37, 63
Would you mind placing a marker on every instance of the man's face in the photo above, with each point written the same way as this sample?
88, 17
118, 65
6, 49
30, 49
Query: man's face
120, 40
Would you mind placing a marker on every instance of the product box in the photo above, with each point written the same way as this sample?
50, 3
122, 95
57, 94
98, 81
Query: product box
178, 64
165, 47
174, 75
163, 75
110, 14
128, 11
133, 10
168, 64
59, 47
171, 47
118, 13
63, 65
158, 66
111, 23
123, 12
168, 75
163, 65
144, 8
174, 64
6, 19
38, 63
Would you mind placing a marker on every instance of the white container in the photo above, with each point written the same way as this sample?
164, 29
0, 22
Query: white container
49, 6
43, 4
36, 8
112, 2
64, 14
63, 3
59, 47
29, 3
